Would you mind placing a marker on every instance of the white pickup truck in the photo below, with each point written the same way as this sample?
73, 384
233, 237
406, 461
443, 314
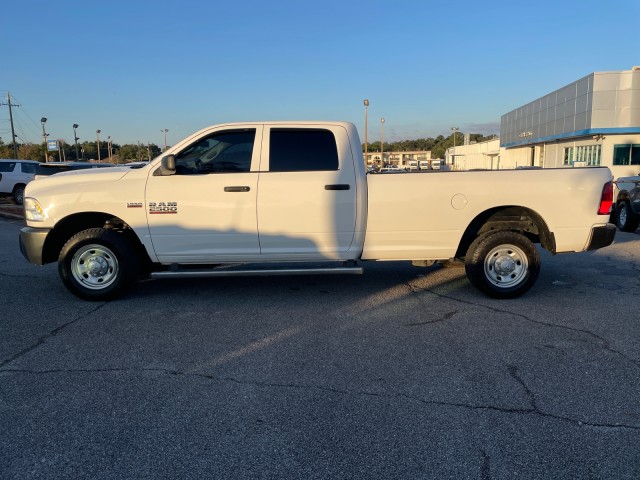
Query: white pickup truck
275, 196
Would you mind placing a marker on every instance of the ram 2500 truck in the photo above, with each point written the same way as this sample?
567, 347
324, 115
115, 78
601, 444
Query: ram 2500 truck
272, 196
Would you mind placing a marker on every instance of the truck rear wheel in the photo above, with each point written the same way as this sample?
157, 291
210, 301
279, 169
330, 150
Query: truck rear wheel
97, 264
626, 220
502, 264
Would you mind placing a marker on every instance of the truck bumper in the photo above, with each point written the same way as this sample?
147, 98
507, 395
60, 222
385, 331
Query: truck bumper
602, 236
32, 243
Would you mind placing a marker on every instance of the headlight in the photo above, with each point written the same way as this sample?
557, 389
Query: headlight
33, 211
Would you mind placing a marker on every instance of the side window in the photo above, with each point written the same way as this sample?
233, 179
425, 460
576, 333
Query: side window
7, 166
222, 152
28, 168
302, 150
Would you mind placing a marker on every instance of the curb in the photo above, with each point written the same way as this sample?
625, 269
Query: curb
9, 213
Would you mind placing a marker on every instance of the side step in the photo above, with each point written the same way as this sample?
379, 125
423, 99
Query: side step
204, 273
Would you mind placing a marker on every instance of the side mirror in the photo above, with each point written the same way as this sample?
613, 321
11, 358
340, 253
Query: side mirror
167, 167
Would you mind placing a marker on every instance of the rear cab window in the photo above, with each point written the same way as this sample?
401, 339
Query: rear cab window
302, 150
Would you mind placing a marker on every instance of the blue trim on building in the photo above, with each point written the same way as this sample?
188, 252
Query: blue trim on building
578, 133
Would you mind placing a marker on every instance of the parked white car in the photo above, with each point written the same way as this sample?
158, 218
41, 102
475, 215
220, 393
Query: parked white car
14, 176
391, 169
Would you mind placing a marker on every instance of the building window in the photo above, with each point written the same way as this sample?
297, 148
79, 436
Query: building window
627, 154
568, 156
591, 154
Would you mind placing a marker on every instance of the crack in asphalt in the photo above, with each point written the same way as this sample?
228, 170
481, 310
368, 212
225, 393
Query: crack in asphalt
47, 336
513, 371
6, 275
485, 469
444, 318
531, 410
604, 342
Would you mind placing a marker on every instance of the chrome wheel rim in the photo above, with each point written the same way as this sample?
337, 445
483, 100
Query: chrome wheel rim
623, 215
94, 266
506, 266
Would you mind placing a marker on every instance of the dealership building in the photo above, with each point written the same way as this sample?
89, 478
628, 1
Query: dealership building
591, 122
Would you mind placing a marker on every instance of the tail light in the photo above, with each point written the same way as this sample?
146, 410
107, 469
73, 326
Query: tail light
606, 199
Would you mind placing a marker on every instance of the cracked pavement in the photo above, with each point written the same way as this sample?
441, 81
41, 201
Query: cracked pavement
402, 373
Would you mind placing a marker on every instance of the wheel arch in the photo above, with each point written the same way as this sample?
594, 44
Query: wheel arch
508, 217
623, 195
77, 222
17, 185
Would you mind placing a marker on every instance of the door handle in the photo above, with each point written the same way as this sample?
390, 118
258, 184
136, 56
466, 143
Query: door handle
339, 186
237, 189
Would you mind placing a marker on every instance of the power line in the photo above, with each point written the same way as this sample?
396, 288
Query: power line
34, 127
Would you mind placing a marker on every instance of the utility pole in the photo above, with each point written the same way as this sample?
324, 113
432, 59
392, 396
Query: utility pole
13, 133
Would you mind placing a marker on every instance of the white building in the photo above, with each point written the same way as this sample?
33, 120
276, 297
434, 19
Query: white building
592, 121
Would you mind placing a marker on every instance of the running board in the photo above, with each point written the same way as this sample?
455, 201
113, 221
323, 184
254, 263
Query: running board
253, 273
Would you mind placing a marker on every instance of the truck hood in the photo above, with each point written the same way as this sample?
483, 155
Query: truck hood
65, 180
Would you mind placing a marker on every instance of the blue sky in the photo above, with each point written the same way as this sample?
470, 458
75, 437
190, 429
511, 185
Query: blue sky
132, 68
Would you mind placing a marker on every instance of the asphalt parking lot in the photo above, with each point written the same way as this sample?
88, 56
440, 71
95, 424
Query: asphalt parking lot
401, 373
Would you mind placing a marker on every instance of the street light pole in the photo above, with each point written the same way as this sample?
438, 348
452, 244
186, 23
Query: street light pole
98, 142
382, 140
366, 129
75, 139
165, 130
43, 120
453, 154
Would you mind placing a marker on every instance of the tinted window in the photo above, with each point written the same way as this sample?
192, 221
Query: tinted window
626, 154
300, 150
222, 152
7, 166
28, 168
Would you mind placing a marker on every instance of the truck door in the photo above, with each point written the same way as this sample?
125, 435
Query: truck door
206, 212
306, 193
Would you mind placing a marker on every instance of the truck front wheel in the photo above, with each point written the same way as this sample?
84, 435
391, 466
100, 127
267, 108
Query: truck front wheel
502, 264
97, 264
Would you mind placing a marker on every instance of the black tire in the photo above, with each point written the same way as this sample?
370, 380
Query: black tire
98, 264
18, 194
502, 264
626, 220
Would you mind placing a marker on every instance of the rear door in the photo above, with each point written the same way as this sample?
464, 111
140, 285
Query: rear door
306, 193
